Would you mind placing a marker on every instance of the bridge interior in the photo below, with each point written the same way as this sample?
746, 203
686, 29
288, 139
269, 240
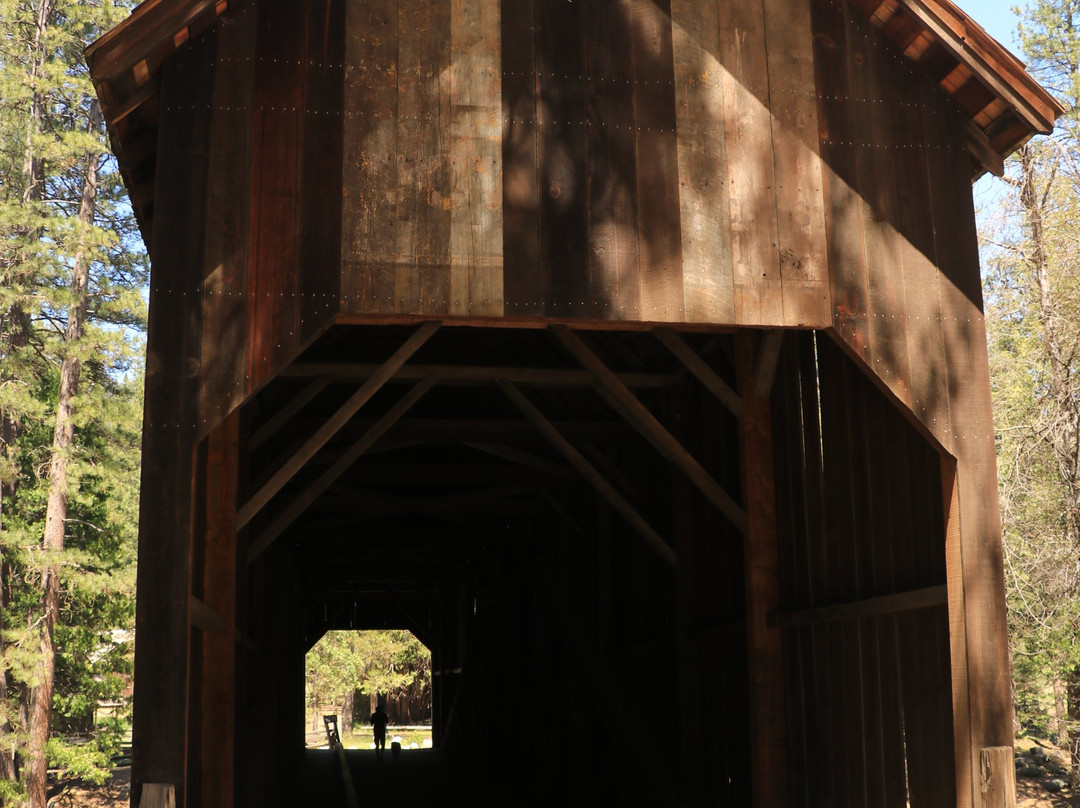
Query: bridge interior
563, 518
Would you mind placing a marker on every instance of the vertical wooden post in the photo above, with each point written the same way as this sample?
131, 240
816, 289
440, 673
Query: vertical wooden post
997, 784
218, 702
166, 505
768, 741
691, 722
954, 571
158, 795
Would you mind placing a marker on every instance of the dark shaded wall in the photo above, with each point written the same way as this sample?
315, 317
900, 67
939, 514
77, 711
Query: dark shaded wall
859, 516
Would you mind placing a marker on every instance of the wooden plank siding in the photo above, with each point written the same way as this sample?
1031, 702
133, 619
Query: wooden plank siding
224, 303
272, 257
911, 273
640, 161
319, 265
422, 212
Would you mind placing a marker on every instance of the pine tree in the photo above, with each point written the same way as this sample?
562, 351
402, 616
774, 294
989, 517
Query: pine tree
71, 274
1033, 301
391, 664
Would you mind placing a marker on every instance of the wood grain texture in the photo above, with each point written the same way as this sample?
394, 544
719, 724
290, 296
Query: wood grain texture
842, 575
972, 441
225, 328
614, 239
561, 159
865, 546
751, 183
370, 164
997, 786
872, 72
886, 493
319, 268
659, 220
702, 162
522, 291
475, 148
274, 231
421, 227
838, 120
768, 737
803, 256
158, 795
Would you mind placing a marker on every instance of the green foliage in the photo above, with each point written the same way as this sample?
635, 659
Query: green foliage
1032, 252
50, 132
372, 662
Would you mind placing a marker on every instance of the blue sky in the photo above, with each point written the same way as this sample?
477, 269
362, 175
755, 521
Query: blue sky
996, 17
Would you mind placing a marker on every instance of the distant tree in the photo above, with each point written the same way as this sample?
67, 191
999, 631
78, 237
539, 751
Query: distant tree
390, 663
1033, 315
71, 274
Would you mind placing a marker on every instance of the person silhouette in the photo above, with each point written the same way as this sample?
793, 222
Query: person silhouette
379, 720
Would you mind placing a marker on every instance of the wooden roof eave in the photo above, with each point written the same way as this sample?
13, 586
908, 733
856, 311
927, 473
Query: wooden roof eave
990, 61
124, 66
132, 44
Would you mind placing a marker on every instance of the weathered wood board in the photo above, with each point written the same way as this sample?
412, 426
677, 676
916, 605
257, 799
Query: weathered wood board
635, 161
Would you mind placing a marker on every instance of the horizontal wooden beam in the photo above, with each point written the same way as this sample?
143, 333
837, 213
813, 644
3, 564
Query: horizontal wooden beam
700, 368
595, 478
327, 478
639, 417
868, 607
334, 423
457, 375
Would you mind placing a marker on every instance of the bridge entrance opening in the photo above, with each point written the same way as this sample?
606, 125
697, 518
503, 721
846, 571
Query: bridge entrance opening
348, 675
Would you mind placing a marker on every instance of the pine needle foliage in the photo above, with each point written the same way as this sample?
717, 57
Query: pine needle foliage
72, 309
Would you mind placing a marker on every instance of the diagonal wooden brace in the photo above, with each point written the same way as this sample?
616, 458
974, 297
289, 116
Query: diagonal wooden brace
639, 417
595, 478
328, 477
334, 423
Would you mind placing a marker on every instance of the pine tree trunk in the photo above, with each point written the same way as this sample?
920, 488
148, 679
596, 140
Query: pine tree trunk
16, 324
347, 710
7, 747
35, 774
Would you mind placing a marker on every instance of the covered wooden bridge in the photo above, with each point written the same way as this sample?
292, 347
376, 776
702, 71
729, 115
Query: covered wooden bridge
628, 352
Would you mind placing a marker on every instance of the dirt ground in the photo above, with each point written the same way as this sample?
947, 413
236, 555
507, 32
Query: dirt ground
1032, 794
1037, 767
